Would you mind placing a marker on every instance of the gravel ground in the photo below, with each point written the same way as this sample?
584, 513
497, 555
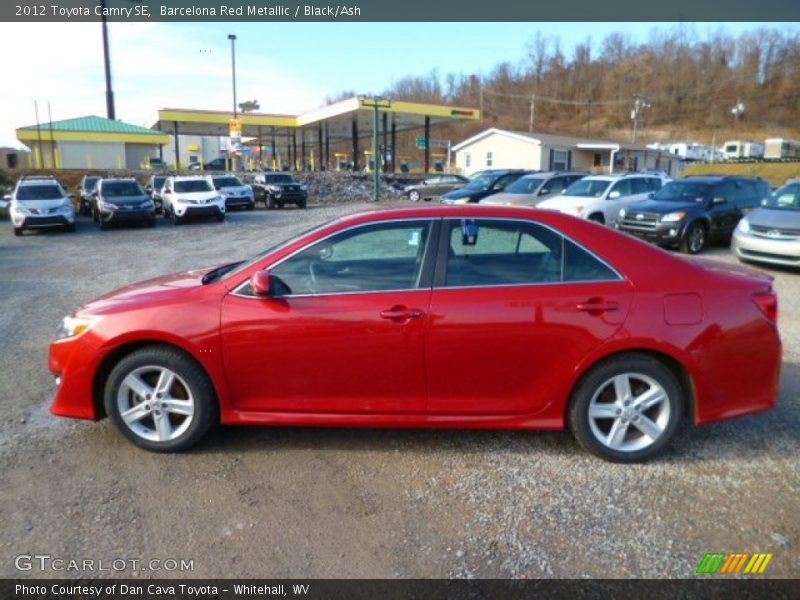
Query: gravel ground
359, 503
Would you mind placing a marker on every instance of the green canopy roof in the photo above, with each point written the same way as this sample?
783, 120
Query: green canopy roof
93, 124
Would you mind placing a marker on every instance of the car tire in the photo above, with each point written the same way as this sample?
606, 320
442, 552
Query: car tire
221, 217
632, 428
95, 216
17, 231
176, 220
279, 204
103, 225
151, 222
598, 218
189, 408
70, 228
695, 238
301, 204
414, 196
252, 205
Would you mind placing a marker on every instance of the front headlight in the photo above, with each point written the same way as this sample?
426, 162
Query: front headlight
673, 217
73, 326
274, 188
20, 210
622, 213
744, 225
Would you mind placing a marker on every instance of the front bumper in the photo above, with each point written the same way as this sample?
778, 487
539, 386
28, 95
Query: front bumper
289, 196
127, 216
664, 234
747, 246
231, 201
192, 211
42, 221
73, 362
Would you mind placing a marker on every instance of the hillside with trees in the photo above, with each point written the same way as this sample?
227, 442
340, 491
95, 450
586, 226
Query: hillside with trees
686, 85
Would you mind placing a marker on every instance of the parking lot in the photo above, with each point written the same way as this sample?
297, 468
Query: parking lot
359, 503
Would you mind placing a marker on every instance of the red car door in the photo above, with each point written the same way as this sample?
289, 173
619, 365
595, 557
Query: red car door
344, 330
512, 315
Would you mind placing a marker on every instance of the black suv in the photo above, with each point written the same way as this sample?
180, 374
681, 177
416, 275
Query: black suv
692, 211
485, 184
279, 189
122, 201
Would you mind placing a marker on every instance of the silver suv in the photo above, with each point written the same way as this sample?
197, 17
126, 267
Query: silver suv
40, 202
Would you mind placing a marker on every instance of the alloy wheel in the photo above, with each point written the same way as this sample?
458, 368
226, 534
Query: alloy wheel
155, 403
629, 412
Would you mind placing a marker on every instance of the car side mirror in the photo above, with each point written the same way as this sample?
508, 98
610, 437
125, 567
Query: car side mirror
651, 195
544, 191
261, 282
719, 200
216, 187
7, 197
614, 195
497, 187
94, 194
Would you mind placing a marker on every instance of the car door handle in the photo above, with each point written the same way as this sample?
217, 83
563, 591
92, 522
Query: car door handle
597, 306
398, 313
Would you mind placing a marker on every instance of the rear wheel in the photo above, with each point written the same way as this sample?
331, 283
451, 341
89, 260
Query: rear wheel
160, 399
626, 409
413, 195
695, 239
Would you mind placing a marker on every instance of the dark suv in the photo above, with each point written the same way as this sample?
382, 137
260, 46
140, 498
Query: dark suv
279, 189
122, 201
692, 211
485, 184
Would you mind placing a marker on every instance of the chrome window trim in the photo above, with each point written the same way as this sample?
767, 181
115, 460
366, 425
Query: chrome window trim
237, 290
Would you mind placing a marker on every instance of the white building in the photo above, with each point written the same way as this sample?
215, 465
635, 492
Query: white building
501, 149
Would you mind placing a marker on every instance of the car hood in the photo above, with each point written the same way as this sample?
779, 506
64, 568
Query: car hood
775, 218
462, 193
157, 289
663, 206
235, 189
40, 204
509, 198
196, 195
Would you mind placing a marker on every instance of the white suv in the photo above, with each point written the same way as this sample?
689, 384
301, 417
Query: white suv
191, 196
599, 197
40, 202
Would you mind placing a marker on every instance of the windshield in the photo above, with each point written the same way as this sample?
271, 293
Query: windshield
192, 185
526, 185
278, 178
588, 188
787, 197
227, 182
480, 183
684, 191
39, 192
88, 183
117, 189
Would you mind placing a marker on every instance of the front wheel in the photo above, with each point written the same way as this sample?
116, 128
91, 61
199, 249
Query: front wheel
160, 399
221, 217
695, 239
413, 195
251, 206
626, 409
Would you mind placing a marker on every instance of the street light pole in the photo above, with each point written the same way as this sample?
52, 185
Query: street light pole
232, 38
110, 112
376, 103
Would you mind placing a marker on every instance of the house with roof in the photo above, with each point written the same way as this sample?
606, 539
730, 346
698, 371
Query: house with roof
502, 149
91, 142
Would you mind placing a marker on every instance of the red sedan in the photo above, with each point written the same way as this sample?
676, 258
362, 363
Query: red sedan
496, 318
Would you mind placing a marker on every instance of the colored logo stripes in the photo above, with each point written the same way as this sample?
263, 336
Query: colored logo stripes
737, 562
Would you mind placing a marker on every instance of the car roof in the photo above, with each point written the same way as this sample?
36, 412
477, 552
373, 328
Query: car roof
115, 179
189, 177
38, 180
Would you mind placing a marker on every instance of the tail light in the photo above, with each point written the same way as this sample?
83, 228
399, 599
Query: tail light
767, 302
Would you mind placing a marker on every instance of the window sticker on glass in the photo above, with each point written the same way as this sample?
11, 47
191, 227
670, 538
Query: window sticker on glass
413, 238
469, 233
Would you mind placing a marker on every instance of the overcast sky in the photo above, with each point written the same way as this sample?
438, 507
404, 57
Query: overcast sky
288, 68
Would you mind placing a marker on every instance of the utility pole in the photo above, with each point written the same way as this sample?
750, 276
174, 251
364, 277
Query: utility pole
376, 103
639, 104
40, 161
231, 155
533, 105
110, 111
480, 91
588, 117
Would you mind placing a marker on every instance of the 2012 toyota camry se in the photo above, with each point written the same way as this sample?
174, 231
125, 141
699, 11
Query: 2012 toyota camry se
473, 317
